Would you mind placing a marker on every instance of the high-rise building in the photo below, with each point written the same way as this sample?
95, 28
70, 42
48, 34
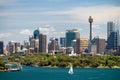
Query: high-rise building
62, 41
81, 44
36, 34
53, 46
1, 47
110, 28
26, 44
42, 43
97, 45
73, 44
100, 45
112, 41
17, 47
34, 44
71, 35
112, 37
11, 47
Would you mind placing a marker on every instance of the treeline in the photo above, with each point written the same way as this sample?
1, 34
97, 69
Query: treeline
41, 60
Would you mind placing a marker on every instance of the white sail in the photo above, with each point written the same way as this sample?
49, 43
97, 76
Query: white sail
71, 70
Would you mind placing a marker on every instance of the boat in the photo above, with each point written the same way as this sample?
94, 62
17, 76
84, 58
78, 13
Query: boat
14, 67
71, 70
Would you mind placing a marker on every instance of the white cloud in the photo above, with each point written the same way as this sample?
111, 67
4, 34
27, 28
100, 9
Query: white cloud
48, 29
4, 35
96, 27
25, 32
100, 14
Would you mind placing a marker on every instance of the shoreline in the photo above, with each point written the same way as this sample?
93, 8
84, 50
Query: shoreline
101, 67
76, 67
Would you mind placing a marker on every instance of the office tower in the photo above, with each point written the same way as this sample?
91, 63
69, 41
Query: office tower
26, 44
112, 41
42, 43
36, 33
100, 45
90, 21
53, 46
17, 47
112, 37
11, 47
1, 47
110, 28
81, 44
62, 41
71, 35
73, 44
97, 45
34, 45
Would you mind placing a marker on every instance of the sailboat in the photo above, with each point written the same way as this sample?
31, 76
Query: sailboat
71, 70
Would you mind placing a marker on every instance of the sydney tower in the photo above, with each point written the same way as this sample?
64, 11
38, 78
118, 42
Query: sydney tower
90, 21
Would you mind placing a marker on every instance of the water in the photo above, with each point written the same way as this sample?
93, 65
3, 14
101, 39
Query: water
32, 73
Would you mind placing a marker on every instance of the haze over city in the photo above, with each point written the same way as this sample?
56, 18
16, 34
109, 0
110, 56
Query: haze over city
19, 18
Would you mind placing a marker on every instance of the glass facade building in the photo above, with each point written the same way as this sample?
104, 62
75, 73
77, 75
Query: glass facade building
112, 41
1, 47
36, 34
110, 28
112, 36
62, 41
71, 35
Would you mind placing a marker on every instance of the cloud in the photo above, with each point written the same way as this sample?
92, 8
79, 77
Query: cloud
25, 32
100, 14
96, 27
4, 35
47, 29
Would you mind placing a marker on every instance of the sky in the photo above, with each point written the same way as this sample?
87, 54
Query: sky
19, 18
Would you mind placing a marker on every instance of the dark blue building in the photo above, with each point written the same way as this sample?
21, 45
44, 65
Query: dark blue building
36, 34
1, 47
112, 41
62, 41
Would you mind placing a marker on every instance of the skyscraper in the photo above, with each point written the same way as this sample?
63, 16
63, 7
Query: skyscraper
73, 44
81, 44
17, 47
71, 35
1, 47
100, 45
62, 41
42, 43
53, 45
11, 47
97, 45
110, 28
112, 41
36, 34
112, 37
34, 44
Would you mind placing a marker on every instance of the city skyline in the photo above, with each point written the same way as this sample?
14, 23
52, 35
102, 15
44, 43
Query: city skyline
54, 17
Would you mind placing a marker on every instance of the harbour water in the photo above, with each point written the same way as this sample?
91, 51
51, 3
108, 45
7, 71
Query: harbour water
33, 73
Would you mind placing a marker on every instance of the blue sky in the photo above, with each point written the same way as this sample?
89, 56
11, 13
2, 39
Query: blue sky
19, 18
